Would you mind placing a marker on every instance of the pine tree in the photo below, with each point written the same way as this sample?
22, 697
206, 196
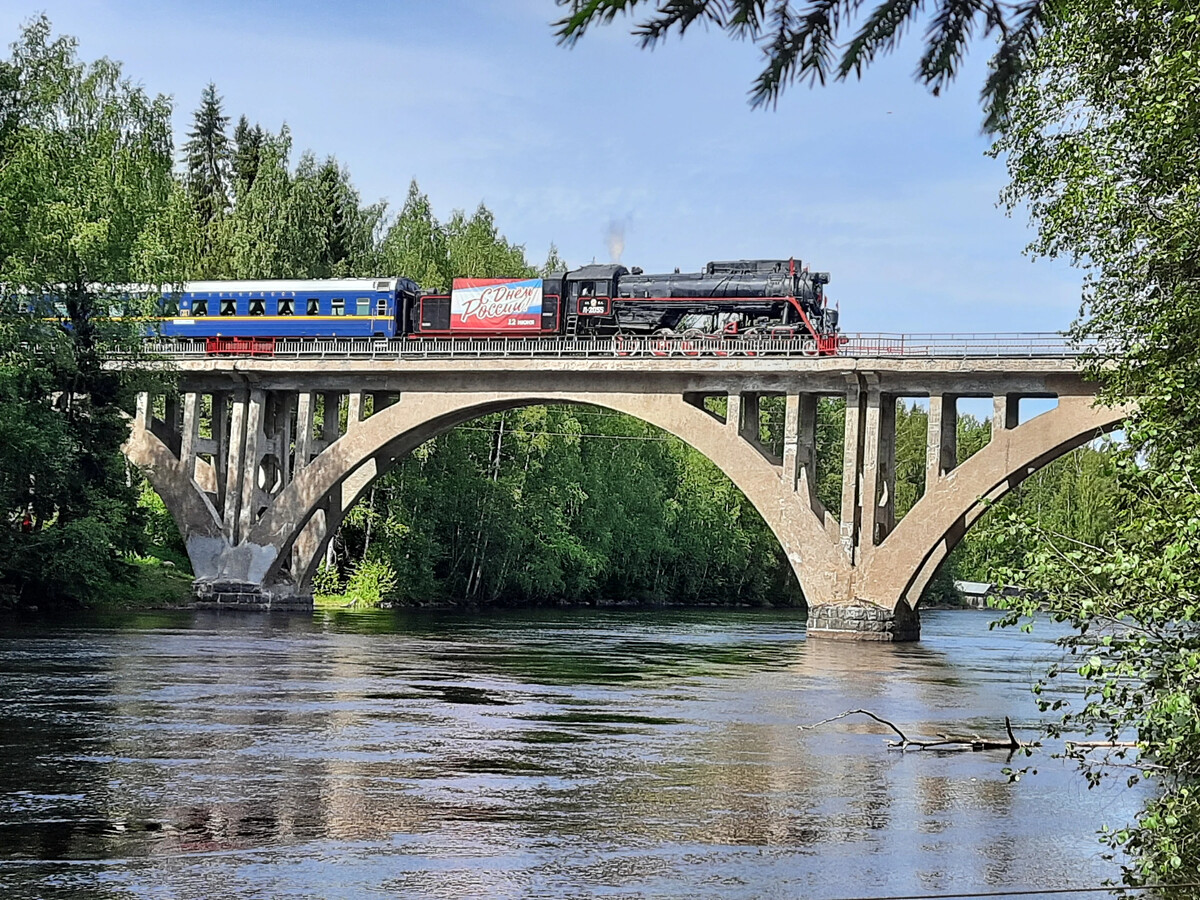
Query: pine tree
208, 158
247, 154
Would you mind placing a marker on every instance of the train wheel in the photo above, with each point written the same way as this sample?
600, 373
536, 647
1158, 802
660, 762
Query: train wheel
809, 347
660, 344
692, 343
714, 345
749, 338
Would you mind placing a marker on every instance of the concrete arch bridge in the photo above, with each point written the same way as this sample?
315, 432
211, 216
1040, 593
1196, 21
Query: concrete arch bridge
258, 491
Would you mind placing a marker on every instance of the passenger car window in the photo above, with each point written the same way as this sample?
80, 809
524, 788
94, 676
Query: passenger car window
338, 307
314, 307
286, 306
258, 307
364, 306
228, 306
200, 306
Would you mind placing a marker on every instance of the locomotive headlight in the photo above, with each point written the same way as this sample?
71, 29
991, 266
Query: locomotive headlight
820, 278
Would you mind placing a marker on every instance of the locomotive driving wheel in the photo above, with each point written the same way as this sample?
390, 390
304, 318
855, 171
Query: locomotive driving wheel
661, 343
693, 342
626, 345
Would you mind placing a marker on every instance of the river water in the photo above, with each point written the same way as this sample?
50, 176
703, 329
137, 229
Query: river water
560, 754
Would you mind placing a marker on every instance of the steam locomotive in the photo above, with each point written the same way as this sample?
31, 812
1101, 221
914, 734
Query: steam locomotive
740, 298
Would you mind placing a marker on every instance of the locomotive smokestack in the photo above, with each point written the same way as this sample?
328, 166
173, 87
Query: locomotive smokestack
615, 240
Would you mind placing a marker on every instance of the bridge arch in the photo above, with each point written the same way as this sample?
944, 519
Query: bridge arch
898, 571
301, 520
192, 510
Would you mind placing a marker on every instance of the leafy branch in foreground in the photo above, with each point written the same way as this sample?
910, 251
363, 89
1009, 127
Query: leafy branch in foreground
1134, 611
801, 40
1101, 149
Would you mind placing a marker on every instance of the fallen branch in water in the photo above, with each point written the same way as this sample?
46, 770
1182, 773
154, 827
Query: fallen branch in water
947, 743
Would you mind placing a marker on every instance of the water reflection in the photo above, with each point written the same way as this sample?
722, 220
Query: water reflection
551, 754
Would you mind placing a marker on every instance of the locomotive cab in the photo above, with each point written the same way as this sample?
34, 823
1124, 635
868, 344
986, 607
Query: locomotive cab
588, 302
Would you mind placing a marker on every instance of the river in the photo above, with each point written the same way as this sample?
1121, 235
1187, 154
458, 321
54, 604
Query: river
548, 754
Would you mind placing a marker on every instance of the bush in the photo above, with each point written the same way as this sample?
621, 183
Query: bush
370, 583
327, 580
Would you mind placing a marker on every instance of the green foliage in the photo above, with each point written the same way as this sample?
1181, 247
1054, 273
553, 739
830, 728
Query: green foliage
433, 254
539, 504
160, 529
371, 582
86, 199
1102, 150
805, 40
327, 580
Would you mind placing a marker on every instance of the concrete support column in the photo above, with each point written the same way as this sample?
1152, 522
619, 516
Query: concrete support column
221, 443
1005, 409
286, 403
331, 426
255, 419
189, 433
852, 459
171, 411
941, 445
356, 409
806, 445
879, 468
791, 441
751, 428
172, 421
235, 464
142, 416
304, 430
733, 412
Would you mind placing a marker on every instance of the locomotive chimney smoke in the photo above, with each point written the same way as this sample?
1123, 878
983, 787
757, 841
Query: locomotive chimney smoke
615, 240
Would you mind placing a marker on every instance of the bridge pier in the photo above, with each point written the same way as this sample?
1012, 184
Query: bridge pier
258, 460
863, 621
240, 595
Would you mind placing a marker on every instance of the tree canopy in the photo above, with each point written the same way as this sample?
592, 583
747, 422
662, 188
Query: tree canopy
87, 199
1101, 149
807, 39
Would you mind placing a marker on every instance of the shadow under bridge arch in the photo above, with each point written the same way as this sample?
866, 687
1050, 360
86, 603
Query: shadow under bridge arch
302, 519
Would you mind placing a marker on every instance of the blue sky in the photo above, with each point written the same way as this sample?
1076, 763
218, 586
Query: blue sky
877, 182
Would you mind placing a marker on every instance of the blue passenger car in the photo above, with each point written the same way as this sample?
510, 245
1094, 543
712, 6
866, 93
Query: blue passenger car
326, 308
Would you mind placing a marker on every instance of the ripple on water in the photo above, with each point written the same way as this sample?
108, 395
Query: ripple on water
551, 754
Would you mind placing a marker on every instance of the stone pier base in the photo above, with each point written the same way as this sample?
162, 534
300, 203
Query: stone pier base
864, 621
236, 595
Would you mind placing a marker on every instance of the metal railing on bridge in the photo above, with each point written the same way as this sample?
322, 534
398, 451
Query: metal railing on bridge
1016, 345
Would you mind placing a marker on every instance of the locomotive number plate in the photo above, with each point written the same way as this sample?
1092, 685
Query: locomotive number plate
593, 306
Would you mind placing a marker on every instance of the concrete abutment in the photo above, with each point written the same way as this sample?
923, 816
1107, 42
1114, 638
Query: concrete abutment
259, 484
864, 621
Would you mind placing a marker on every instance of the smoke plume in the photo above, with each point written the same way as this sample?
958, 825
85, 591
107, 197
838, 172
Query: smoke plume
615, 240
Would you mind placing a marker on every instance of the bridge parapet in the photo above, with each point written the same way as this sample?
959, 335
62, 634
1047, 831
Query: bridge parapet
259, 459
